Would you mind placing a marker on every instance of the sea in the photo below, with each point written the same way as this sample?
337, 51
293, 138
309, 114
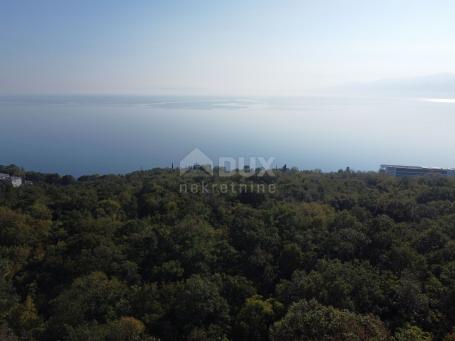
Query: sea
101, 134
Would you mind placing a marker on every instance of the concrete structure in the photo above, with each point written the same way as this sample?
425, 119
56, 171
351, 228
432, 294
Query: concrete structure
401, 171
15, 181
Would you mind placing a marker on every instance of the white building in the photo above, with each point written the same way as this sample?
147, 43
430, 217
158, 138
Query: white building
400, 171
15, 181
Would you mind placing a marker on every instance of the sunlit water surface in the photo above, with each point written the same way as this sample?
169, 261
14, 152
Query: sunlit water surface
116, 134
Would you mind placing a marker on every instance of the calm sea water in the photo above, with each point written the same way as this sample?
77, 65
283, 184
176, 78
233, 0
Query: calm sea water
116, 134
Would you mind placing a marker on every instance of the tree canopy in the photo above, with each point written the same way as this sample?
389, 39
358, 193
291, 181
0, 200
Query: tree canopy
325, 256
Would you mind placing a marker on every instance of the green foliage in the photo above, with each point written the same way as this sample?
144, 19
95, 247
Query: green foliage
94, 298
311, 321
126, 328
334, 256
411, 333
24, 319
255, 318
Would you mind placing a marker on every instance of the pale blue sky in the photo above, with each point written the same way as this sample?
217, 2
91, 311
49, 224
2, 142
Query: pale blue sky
210, 47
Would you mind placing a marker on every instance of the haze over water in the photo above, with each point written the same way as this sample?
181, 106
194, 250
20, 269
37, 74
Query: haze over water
117, 134
381, 75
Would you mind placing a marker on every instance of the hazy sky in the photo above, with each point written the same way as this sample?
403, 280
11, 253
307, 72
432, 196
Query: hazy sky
215, 47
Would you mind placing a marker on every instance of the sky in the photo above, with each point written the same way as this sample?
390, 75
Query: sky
210, 47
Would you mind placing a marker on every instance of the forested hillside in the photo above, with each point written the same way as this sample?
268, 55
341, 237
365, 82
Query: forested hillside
339, 256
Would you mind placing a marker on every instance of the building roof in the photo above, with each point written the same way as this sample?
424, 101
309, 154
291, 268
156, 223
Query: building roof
415, 167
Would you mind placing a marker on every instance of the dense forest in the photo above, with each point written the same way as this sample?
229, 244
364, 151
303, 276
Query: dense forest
326, 256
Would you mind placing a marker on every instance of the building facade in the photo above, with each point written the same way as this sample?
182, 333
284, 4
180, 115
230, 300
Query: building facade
401, 171
14, 181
